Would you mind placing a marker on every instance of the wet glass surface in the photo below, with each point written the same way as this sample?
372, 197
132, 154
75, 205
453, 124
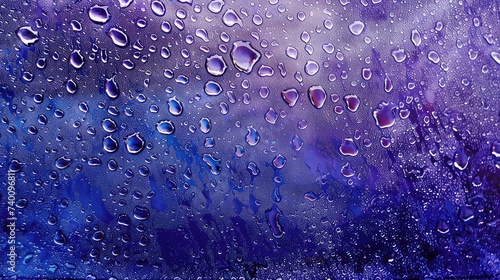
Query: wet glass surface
342, 139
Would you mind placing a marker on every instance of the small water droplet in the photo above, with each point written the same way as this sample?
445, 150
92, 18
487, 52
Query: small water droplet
141, 213
271, 116
279, 161
205, 125
165, 127
433, 57
311, 67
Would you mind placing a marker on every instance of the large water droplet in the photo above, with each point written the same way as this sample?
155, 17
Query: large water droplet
348, 148
205, 125
124, 220
230, 18
165, 127
460, 160
252, 137
212, 88
271, 116
356, 27
244, 56
384, 117
27, 35
109, 125
347, 171
272, 219
15, 166
215, 6
297, 143
141, 213
433, 57
216, 65
99, 14
213, 163
292, 52
174, 106
111, 88
63, 162
317, 96
399, 55
119, 37
291, 96
109, 144
158, 8
279, 161
134, 143
352, 102
495, 56
59, 238
416, 39
311, 67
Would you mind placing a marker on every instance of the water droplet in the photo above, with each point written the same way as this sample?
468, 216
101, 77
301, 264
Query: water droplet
297, 143
244, 56
265, 71
63, 162
158, 8
141, 213
460, 160
76, 59
399, 55
311, 67
205, 125
59, 238
291, 96
239, 150
416, 39
347, 171
305, 37
27, 35
465, 213
119, 37
215, 6
317, 96
271, 116
352, 102
356, 27
310, 196
94, 161
495, 56
216, 65
125, 3
71, 86
433, 57
230, 18
292, 52
109, 125
212, 88
328, 48
348, 148
252, 137
366, 73
99, 14
384, 116
174, 106
165, 127
272, 218
214, 164
124, 220
134, 143
109, 144
279, 161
